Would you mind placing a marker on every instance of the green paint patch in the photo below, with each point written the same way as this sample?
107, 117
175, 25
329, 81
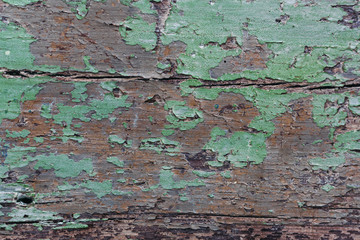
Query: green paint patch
115, 161
32, 214
16, 90
301, 204
203, 174
79, 92
120, 141
15, 46
166, 181
349, 141
327, 187
80, 7
160, 145
137, 31
163, 66
240, 149
327, 40
16, 157
99, 188
167, 132
184, 199
270, 103
96, 109
63, 166
7, 227
182, 117
72, 225
326, 110
317, 141
226, 174
69, 134
326, 163
22, 134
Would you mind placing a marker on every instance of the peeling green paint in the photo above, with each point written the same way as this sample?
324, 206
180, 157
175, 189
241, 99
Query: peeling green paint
182, 117
160, 145
115, 161
99, 109
78, 94
80, 7
240, 149
16, 157
99, 188
137, 31
163, 66
327, 187
32, 214
120, 141
64, 166
72, 225
226, 174
326, 163
167, 132
349, 141
16, 90
166, 181
22, 134
15, 47
270, 103
203, 174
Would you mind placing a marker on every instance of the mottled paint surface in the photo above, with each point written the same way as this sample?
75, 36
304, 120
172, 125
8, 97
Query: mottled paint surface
238, 108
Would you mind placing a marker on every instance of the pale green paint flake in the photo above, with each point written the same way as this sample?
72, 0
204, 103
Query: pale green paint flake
163, 66
137, 31
301, 204
33, 214
80, 7
63, 166
239, 149
160, 145
349, 141
120, 141
72, 225
109, 85
327, 187
16, 90
182, 117
100, 108
317, 141
184, 199
167, 132
69, 134
15, 46
7, 227
203, 174
99, 188
79, 92
226, 174
16, 157
115, 161
22, 134
166, 181
332, 115
288, 61
270, 103
326, 163
145, 6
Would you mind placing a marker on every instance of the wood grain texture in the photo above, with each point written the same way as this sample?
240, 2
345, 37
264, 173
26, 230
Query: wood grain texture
118, 122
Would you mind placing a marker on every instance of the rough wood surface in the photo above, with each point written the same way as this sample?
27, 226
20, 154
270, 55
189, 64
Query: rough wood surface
179, 119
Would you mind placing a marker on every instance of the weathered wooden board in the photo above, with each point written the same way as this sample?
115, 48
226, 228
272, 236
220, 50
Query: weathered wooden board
179, 119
